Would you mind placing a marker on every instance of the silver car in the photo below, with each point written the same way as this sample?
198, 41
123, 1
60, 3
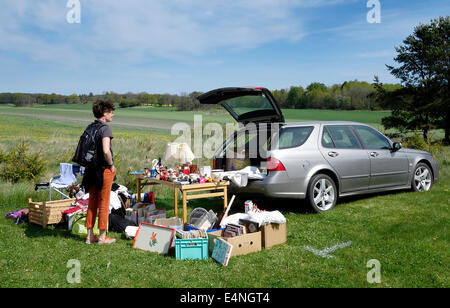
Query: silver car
318, 161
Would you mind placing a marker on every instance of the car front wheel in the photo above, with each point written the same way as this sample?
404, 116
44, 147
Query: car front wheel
422, 178
322, 193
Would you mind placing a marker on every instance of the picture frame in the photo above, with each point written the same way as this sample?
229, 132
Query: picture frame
154, 238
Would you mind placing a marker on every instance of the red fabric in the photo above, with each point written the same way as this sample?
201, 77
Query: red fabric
71, 210
83, 202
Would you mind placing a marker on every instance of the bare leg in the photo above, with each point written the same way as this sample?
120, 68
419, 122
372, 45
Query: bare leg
102, 235
90, 234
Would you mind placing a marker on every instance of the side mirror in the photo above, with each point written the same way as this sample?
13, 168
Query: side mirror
396, 146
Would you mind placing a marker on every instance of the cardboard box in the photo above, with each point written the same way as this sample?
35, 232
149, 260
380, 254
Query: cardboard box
242, 245
273, 234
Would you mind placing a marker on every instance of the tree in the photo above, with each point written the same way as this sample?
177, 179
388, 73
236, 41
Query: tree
280, 97
317, 96
294, 98
73, 99
423, 101
22, 99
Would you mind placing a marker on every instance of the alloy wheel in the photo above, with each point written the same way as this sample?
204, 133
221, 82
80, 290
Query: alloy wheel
324, 194
422, 178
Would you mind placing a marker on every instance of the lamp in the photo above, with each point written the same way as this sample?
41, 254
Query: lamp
178, 152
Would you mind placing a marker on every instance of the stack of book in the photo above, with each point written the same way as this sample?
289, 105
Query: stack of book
192, 234
232, 230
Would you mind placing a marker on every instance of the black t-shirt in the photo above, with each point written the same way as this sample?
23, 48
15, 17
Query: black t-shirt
94, 176
105, 131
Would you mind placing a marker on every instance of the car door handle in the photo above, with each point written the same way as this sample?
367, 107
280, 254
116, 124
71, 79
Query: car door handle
374, 154
333, 154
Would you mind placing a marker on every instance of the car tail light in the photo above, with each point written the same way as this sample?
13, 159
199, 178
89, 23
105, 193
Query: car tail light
274, 164
214, 163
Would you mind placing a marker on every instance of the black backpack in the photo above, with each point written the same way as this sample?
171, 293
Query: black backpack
86, 153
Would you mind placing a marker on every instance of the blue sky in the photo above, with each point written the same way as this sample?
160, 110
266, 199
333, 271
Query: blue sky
180, 46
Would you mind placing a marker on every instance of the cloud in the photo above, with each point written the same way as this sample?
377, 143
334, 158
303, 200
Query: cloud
136, 30
395, 23
195, 27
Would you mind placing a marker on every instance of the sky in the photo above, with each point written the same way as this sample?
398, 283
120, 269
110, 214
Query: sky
181, 46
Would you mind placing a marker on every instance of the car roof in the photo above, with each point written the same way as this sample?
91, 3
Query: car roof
323, 122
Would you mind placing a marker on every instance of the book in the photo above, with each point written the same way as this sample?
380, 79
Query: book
222, 251
232, 230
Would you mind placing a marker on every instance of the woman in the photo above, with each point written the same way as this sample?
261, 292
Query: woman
98, 181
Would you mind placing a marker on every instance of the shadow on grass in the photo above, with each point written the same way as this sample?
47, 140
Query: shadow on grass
370, 195
301, 206
297, 206
57, 231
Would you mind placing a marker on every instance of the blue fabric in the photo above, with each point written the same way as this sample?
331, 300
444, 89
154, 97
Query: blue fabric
67, 176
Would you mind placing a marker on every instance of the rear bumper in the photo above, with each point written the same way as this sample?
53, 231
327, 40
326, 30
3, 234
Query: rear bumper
276, 185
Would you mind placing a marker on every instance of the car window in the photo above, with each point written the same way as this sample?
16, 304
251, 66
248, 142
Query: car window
327, 142
242, 146
372, 139
290, 137
343, 137
245, 104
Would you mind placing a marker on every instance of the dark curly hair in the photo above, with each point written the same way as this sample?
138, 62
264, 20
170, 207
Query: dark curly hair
101, 106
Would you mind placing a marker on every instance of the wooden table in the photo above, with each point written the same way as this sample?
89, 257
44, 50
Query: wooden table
210, 189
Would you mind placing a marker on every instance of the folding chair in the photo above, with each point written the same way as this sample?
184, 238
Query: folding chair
68, 175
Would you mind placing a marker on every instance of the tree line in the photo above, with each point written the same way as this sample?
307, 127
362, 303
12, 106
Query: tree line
350, 95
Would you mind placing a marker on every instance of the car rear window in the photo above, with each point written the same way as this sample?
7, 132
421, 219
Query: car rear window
246, 104
291, 137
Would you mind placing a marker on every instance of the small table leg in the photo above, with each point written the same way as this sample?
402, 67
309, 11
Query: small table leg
184, 208
175, 200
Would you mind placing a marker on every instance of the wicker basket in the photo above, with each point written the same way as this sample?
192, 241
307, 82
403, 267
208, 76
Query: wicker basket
47, 212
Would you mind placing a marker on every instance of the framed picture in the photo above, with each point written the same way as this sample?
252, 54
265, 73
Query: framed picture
154, 238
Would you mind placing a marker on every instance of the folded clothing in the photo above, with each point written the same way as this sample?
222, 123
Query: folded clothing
260, 217
16, 214
240, 177
130, 231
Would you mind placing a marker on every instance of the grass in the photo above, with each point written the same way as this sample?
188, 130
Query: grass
407, 232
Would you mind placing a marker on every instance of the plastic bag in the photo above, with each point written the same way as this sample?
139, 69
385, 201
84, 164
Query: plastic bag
78, 226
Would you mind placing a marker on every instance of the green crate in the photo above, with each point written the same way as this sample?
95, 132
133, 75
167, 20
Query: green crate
192, 249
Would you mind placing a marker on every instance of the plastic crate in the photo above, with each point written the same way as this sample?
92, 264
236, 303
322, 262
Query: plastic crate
189, 228
192, 249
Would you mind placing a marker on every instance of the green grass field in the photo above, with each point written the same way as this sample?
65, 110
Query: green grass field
407, 232
214, 115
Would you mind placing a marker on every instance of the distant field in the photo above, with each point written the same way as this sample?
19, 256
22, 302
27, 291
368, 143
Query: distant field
142, 116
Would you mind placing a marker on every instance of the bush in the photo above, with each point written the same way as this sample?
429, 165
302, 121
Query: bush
417, 142
19, 164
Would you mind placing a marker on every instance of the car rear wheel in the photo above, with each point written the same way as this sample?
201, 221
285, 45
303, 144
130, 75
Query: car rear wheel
422, 178
322, 193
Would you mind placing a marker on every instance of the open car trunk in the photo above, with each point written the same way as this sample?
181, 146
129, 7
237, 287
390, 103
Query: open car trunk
255, 108
246, 105
247, 147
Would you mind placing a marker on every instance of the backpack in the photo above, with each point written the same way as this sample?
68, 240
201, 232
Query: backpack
86, 153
